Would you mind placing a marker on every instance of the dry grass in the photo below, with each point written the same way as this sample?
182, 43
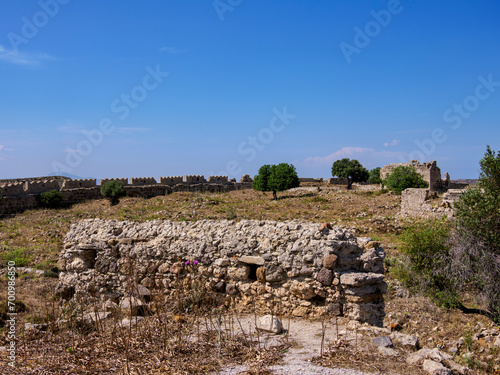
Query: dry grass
37, 237
39, 233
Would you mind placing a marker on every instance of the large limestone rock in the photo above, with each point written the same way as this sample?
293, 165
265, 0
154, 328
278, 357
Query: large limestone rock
270, 323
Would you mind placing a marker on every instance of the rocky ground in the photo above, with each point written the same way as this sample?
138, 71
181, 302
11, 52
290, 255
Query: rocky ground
34, 239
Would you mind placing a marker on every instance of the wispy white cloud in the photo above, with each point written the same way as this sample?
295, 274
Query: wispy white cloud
172, 50
2, 147
364, 154
392, 143
22, 58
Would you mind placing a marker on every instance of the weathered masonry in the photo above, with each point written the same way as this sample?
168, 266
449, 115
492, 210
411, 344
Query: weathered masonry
307, 268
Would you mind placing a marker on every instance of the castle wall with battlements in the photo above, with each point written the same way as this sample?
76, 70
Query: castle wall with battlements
22, 195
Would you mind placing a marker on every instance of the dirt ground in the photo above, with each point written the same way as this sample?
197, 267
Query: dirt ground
35, 238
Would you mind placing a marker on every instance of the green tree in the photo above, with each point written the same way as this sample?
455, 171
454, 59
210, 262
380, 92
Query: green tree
476, 257
375, 176
113, 191
403, 178
260, 180
350, 169
276, 178
51, 199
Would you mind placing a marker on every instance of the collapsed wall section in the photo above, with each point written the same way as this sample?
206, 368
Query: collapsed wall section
306, 268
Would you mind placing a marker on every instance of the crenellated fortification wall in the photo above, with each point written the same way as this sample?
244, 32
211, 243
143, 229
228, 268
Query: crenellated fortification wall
141, 181
123, 180
37, 187
194, 179
77, 184
12, 195
14, 189
171, 180
217, 179
306, 268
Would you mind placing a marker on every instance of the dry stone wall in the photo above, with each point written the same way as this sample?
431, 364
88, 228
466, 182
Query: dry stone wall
306, 268
418, 203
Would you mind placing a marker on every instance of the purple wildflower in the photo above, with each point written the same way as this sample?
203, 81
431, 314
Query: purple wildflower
195, 262
186, 262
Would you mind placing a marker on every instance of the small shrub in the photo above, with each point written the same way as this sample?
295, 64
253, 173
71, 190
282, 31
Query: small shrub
425, 252
19, 256
113, 191
51, 199
403, 178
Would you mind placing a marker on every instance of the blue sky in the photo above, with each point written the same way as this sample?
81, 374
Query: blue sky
164, 88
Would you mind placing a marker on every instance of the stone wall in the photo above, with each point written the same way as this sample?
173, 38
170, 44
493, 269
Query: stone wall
417, 203
306, 268
76, 184
14, 189
15, 198
337, 181
171, 180
141, 181
37, 187
307, 179
217, 179
123, 180
194, 179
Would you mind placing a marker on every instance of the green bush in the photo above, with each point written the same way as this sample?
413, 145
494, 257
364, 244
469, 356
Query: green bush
51, 199
476, 255
425, 253
276, 178
374, 177
350, 169
403, 178
19, 256
113, 191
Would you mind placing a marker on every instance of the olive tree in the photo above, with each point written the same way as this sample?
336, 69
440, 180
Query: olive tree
352, 170
276, 178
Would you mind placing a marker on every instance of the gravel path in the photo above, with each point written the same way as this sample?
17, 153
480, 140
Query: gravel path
306, 336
